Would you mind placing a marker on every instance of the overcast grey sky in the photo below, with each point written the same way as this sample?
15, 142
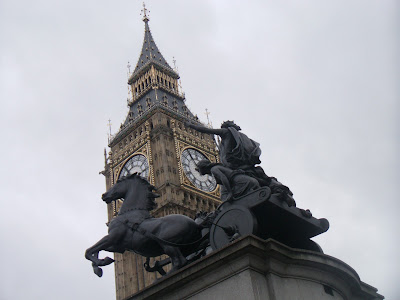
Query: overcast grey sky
315, 82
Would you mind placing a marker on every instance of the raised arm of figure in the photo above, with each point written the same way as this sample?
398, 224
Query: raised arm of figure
203, 129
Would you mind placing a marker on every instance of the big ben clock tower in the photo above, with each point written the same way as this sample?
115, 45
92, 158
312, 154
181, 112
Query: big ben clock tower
154, 142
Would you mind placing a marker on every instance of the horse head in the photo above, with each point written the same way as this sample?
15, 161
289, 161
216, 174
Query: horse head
117, 191
135, 190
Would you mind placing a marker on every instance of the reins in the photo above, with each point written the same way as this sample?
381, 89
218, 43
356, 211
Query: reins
153, 237
136, 227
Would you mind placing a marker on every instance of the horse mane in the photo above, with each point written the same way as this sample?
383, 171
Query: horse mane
130, 176
150, 205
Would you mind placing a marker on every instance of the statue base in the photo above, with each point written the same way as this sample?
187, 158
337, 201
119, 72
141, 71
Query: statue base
252, 268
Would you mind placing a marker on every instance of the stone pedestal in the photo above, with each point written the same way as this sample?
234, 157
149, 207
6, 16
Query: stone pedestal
252, 268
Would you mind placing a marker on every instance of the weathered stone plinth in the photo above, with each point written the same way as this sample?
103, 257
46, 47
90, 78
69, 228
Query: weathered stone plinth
252, 268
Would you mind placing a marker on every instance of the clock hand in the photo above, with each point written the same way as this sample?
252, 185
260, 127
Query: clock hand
190, 154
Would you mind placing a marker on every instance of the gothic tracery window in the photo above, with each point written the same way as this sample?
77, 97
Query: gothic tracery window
185, 110
175, 104
140, 109
165, 100
148, 102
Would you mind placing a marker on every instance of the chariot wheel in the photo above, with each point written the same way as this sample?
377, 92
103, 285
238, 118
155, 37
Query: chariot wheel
231, 224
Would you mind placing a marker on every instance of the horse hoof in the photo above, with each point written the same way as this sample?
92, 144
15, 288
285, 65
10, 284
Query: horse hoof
98, 271
105, 262
108, 261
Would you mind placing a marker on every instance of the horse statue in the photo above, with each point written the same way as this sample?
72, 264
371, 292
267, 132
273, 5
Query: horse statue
133, 229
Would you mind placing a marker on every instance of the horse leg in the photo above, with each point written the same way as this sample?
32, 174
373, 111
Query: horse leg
93, 252
177, 259
107, 260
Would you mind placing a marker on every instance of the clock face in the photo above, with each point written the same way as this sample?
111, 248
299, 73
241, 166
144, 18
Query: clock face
190, 157
137, 163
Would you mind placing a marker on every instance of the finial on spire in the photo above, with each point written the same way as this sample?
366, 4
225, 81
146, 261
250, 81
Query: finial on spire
128, 73
209, 124
145, 12
109, 126
174, 61
105, 159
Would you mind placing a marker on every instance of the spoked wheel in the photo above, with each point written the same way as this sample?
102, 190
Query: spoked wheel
230, 224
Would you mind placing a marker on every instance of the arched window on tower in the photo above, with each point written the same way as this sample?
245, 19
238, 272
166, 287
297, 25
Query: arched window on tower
165, 100
148, 102
175, 104
184, 107
131, 115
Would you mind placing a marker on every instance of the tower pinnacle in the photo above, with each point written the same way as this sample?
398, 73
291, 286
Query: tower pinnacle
150, 54
145, 12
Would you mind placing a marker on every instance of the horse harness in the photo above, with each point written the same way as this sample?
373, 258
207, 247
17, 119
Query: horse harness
135, 227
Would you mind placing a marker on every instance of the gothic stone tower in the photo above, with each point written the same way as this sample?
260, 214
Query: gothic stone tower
154, 142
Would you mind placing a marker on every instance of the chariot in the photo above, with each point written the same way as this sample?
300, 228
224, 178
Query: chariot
265, 215
260, 213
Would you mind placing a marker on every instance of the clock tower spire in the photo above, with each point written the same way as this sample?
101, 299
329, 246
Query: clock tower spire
154, 142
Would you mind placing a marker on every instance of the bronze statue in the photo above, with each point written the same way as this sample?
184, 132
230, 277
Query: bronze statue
133, 229
252, 203
235, 183
236, 150
241, 154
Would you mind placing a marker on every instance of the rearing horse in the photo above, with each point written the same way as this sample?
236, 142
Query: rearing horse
133, 229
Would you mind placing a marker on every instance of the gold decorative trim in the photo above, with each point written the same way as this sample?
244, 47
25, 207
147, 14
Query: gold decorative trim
118, 169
